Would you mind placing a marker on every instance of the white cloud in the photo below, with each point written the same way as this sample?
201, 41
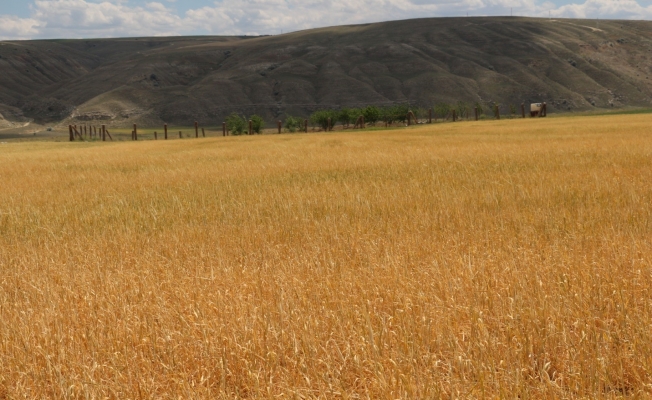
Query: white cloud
274, 16
117, 18
616, 9
81, 18
18, 28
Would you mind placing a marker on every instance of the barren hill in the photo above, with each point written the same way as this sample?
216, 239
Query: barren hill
571, 64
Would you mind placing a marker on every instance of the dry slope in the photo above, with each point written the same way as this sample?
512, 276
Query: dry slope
571, 64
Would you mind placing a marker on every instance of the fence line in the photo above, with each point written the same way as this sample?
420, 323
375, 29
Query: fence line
88, 132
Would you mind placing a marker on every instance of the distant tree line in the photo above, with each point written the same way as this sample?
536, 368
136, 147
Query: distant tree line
238, 124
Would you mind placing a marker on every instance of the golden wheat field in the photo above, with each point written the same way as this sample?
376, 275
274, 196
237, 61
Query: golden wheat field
507, 259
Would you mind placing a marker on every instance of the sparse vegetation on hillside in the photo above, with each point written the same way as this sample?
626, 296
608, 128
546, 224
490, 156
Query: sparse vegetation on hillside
451, 64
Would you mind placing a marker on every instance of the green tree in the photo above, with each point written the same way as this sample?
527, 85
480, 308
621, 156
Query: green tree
344, 116
236, 124
257, 124
355, 114
320, 118
371, 114
387, 114
400, 112
292, 124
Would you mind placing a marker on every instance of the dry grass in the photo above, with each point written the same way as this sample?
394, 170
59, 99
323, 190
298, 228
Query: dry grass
498, 259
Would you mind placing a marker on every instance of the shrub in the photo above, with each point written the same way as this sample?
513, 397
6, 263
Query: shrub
421, 112
236, 124
512, 110
478, 105
442, 110
462, 109
292, 124
257, 124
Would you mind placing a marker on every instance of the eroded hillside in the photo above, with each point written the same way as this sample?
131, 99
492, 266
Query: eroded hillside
571, 64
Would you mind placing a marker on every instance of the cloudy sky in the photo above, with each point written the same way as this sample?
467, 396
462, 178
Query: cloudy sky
34, 19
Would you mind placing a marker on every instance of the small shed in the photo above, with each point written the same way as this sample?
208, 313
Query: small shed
538, 110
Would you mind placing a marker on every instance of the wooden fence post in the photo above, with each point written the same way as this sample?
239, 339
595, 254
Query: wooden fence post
476, 113
223, 128
523, 109
544, 110
430, 115
165, 130
104, 133
497, 112
251, 127
280, 125
454, 116
155, 135
203, 132
410, 117
180, 135
72, 136
196, 131
135, 132
109, 135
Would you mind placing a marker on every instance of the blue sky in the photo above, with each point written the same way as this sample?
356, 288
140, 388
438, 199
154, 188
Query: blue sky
36, 19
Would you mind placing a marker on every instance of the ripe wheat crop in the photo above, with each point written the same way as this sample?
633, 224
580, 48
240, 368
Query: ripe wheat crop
496, 259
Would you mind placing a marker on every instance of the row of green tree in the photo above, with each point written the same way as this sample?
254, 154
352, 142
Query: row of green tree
399, 113
238, 124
